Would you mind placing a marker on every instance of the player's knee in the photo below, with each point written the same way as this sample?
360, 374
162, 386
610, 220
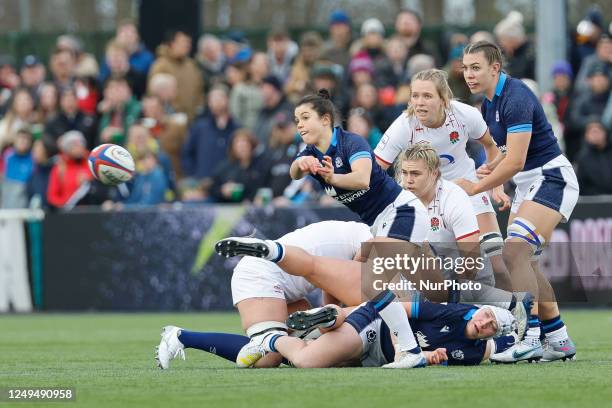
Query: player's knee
522, 237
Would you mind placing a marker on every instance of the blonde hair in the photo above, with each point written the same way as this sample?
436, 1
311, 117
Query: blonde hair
440, 80
419, 151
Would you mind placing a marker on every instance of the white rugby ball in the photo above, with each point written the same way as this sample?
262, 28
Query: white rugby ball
111, 164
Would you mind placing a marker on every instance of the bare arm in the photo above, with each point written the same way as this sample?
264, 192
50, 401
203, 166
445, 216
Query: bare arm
490, 148
514, 161
357, 179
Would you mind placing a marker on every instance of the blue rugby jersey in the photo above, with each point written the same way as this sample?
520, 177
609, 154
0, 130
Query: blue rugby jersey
344, 149
443, 325
516, 109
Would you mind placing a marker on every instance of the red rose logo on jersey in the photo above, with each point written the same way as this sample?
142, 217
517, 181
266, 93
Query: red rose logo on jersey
485, 200
454, 137
435, 224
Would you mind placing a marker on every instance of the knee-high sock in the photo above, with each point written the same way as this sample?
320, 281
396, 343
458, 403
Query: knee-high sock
395, 317
222, 344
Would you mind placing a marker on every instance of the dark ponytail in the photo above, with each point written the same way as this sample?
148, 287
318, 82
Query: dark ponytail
321, 103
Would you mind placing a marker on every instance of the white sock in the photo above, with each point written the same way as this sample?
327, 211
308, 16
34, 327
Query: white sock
533, 333
557, 335
396, 318
277, 250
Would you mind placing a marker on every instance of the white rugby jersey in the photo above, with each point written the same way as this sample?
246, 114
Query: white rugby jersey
449, 140
451, 217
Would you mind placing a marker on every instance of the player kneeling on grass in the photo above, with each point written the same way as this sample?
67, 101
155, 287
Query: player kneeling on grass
359, 337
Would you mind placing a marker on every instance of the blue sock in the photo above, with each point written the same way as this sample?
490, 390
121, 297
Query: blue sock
533, 327
415, 350
222, 344
551, 325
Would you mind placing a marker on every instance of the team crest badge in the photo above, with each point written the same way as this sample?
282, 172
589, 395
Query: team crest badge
457, 354
435, 223
485, 200
371, 336
454, 137
338, 162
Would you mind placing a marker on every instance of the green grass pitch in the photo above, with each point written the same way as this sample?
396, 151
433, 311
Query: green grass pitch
108, 359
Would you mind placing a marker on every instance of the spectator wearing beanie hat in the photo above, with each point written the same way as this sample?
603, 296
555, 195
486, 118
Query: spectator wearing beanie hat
562, 75
602, 55
336, 49
559, 99
372, 39
588, 32
361, 69
518, 50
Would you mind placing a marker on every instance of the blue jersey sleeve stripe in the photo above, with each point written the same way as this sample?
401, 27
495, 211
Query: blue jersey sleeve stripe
359, 155
523, 127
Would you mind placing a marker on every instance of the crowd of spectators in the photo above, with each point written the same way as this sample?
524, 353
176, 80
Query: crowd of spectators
216, 124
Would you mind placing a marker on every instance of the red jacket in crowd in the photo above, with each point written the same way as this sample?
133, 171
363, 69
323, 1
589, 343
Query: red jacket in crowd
66, 176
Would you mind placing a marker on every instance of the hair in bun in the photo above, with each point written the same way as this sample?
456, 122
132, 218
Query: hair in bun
324, 93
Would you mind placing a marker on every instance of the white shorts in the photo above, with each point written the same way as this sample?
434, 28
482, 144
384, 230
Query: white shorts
553, 185
481, 202
257, 278
405, 219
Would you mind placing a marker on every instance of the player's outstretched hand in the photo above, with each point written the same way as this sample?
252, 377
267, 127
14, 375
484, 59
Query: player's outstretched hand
308, 164
500, 198
327, 171
438, 356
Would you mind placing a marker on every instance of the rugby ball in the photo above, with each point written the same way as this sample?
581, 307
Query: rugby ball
111, 164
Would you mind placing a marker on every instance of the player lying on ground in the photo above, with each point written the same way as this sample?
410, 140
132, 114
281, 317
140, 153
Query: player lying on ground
457, 333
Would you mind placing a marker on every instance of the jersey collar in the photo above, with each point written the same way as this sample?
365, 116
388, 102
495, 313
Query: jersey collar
332, 144
469, 314
500, 84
